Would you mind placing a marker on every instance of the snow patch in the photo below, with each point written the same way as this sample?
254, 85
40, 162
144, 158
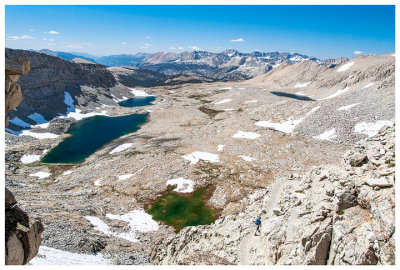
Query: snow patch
287, 126
251, 101
226, 88
40, 136
338, 92
77, 115
40, 174
245, 135
301, 85
372, 128
121, 148
348, 107
124, 177
345, 67
183, 185
97, 183
220, 147
67, 172
247, 158
38, 118
224, 101
26, 159
18, 122
68, 100
139, 93
138, 220
196, 156
328, 135
52, 256
368, 85
300, 94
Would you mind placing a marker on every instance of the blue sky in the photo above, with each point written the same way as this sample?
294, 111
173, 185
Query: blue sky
320, 31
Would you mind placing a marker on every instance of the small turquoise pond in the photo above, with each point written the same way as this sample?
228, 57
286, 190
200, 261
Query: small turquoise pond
89, 135
137, 101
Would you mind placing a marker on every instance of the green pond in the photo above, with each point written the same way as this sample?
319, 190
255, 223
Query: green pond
181, 210
88, 135
137, 101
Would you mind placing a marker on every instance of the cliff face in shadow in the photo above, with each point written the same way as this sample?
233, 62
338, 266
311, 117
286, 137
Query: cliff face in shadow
22, 236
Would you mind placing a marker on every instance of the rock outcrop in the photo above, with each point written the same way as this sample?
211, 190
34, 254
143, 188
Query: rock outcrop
22, 236
15, 67
340, 215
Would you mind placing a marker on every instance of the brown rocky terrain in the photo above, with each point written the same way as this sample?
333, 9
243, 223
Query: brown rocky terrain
259, 134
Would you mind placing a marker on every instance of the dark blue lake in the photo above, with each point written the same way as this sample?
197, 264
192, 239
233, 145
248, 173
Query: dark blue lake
137, 101
88, 135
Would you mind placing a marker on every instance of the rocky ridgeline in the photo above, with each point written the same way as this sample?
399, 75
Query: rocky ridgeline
22, 236
330, 215
44, 87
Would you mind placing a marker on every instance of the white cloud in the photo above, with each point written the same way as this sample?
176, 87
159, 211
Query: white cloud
31, 30
52, 44
173, 48
87, 44
358, 52
146, 46
237, 40
52, 32
180, 48
20, 37
147, 37
124, 43
49, 39
194, 48
73, 46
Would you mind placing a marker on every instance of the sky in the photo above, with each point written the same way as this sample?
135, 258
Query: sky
320, 31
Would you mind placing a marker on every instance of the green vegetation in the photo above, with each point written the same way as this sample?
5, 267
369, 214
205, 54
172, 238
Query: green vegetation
341, 212
181, 210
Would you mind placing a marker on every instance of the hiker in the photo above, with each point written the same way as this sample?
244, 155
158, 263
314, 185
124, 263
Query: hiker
258, 224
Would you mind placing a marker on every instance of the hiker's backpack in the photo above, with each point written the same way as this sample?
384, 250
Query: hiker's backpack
258, 222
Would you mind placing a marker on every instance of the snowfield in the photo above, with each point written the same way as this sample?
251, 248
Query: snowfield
368, 85
38, 118
26, 159
251, 101
121, 148
301, 85
337, 93
139, 93
69, 101
41, 175
348, 107
220, 147
77, 115
223, 101
67, 172
124, 177
247, 158
40, 136
345, 67
52, 256
327, 135
287, 126
196, 156
18, 122
246, 135
183, 185
372, 128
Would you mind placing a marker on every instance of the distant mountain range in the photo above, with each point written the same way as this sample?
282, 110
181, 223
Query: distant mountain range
227, 65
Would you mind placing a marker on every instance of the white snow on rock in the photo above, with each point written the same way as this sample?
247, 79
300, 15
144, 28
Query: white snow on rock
29, 158
223, 101
196, 156
229, 110
97, 183
348, 107
226, 88
77, 115
301, 85
220, 147
121, 148
124, 177
18, 122
368, 85
40, 174
67, 172
52, 256
287, 126
68, 100
139, 93
372, 128
245, 135
337, 93
345, 67
183, 185
247, 158
40, 136
251, 101
327, 135
38, 118
300, 93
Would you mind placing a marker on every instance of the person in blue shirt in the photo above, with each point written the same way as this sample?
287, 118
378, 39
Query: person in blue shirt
258, 224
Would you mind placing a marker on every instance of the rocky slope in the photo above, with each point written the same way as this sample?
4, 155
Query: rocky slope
342, 215
22, 235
